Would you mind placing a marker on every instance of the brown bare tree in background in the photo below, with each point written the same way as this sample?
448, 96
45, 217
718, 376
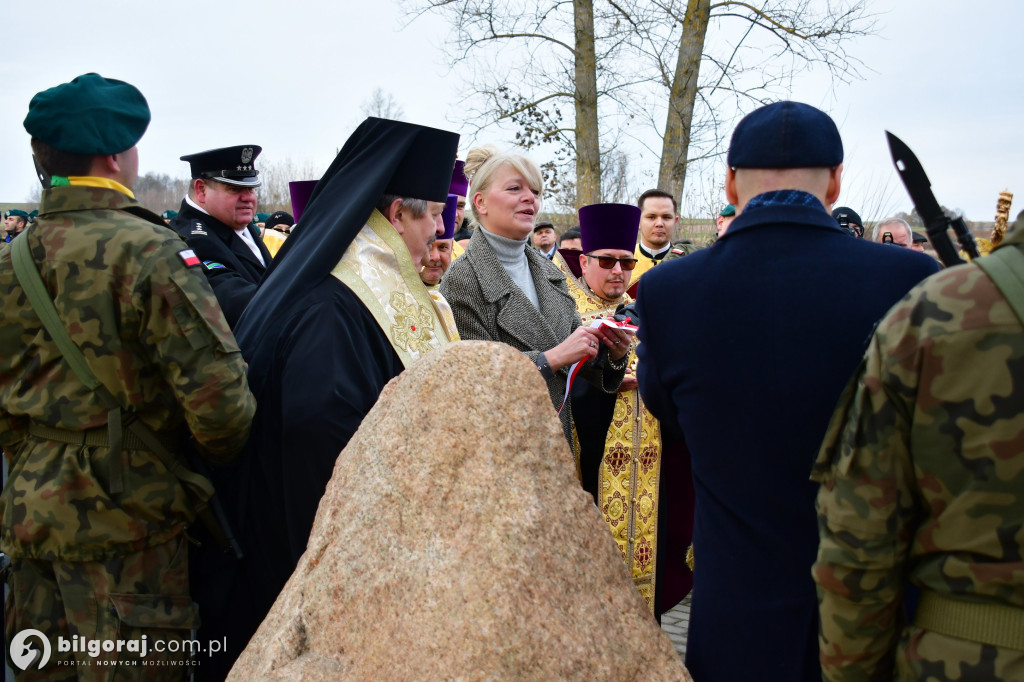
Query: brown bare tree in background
159, 192
620, 64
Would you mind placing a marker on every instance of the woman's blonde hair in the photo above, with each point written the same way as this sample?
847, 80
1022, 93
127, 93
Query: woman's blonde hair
482, 162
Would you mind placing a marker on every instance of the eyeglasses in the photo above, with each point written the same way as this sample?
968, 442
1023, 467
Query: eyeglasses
608, 262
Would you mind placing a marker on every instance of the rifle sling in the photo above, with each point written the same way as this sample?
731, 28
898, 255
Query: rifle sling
198, 487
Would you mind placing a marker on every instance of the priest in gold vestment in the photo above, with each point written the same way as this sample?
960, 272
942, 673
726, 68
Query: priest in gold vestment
618, 441
435, 263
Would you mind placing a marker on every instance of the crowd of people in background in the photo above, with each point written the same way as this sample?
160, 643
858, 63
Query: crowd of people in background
816, 435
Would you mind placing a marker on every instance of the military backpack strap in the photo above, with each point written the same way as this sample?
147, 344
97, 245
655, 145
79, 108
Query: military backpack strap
1005, 267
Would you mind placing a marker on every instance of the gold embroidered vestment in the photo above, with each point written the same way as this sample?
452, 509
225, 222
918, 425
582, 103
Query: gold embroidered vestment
627, 483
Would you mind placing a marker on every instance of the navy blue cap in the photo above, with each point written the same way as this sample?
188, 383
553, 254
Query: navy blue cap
230, 165
786, 135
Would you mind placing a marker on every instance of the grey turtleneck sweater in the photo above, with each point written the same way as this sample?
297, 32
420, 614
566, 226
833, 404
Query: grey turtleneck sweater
511, 254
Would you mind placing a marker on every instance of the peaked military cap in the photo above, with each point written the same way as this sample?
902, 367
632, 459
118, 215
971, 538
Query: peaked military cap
90, 115
230, 165
786, 135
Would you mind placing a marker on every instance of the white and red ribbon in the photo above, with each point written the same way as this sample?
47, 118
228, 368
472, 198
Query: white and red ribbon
576, 366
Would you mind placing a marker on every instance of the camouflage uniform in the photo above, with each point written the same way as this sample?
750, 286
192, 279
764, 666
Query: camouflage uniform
87, 561
683, 247
921, 474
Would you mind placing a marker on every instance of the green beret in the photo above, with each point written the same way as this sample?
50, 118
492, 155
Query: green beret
729, 210
262, 217
169, 214
18, 213
90, 115
34, 213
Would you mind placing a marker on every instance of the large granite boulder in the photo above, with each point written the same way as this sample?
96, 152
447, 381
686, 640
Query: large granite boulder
454, 542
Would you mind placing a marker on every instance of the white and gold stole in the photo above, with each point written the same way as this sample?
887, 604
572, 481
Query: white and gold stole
378, 269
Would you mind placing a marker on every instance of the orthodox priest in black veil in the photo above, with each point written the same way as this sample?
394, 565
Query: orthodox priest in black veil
340, 312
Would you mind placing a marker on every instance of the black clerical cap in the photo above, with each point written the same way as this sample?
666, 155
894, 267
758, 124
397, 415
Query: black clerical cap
382, 157
230, 165
425, 171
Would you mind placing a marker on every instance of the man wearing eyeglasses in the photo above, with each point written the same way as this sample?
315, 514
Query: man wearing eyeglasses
215, 219
620, 459
894, 231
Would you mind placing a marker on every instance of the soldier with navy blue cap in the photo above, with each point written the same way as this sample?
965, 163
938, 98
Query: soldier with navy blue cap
216, 219
748, 378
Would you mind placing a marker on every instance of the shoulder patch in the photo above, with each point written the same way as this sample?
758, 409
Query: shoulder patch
212, 265
188, 257
197, 228
678, 251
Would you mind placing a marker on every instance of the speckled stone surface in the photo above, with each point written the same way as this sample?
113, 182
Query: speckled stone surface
459, 547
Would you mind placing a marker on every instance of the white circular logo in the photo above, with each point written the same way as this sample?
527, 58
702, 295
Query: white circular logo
24, 655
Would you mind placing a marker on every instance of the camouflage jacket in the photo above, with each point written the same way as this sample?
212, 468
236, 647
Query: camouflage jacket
153, 334
921, 473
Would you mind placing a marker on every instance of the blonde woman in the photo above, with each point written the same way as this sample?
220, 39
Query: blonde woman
501, 290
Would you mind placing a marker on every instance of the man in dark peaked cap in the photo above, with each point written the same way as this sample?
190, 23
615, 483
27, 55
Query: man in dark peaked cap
749, 377
322, 338
215, 219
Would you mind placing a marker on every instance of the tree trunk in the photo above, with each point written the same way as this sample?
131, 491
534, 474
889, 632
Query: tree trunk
588, 150
683, 94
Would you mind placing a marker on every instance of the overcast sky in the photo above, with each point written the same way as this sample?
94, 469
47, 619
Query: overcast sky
291, 76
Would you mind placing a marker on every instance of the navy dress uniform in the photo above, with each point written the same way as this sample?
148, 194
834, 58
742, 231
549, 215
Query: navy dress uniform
233, 264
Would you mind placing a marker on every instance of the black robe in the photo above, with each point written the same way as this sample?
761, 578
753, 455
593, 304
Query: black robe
314, 380
317, 363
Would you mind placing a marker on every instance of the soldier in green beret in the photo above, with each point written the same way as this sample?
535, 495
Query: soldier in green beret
14, 222
920, 474
98, 498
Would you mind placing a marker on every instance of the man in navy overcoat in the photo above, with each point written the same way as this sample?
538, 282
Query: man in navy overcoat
779, 311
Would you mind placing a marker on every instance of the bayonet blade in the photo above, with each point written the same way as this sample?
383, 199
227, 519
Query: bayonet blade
916, 181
